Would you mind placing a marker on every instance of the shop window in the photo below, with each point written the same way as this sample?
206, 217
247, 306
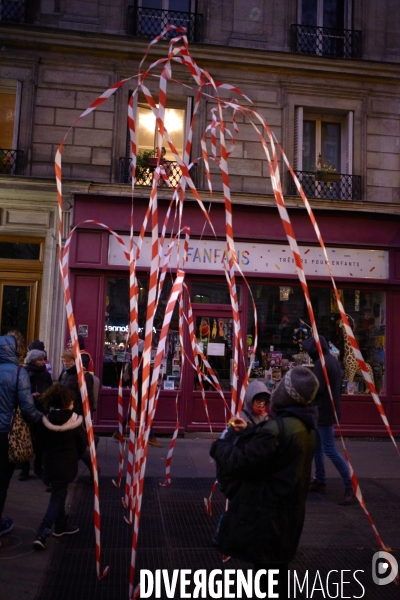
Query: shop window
280, 313
9, 122
204, 292
117, 352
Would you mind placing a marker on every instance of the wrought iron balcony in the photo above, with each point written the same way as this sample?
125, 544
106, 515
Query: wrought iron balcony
329, 186
326, 41
10, 161
145, 174
18, 11
150, 22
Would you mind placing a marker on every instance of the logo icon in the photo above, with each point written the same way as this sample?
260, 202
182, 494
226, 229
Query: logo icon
384, 568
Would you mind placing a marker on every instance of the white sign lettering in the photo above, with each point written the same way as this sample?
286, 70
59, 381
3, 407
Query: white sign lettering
208, 255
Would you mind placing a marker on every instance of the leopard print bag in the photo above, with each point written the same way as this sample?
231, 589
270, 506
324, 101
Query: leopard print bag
20, 448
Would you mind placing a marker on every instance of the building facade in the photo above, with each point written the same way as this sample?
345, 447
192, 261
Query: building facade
325, 77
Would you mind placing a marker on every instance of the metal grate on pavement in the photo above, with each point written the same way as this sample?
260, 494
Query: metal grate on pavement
175, 533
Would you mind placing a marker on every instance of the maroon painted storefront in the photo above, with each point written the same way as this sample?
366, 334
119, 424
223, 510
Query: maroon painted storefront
90, 272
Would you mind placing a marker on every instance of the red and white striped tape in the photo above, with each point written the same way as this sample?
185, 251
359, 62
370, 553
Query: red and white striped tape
137, 450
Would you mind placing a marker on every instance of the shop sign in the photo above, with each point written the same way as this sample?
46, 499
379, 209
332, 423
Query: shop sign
354, 263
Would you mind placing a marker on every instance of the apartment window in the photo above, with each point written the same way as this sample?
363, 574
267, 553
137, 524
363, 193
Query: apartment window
177, 122
155, 15
180, 5
324, 13
147, 129
324, 28
323, 137
9, 122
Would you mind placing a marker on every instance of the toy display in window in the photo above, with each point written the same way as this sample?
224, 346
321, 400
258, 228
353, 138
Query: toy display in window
349, 360
204, 328
214, 330
222, 328
300, 334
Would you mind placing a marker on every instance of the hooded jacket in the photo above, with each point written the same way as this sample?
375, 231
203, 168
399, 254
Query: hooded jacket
266, 515
8, 385
322, 400
40, 378
64, 440
254, 388
69, 378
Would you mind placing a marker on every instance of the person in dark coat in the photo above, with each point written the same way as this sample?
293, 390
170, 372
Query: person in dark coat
64, 441
265, 517
15, 388
69, 378
325, 439
35, 365
38, 345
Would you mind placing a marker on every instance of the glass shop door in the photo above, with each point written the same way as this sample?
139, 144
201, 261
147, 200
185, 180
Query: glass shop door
215, 334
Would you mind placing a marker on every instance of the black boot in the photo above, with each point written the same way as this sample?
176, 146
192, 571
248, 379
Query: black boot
349, 497
24, 475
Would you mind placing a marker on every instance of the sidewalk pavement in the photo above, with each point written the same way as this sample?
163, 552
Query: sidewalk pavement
175, 531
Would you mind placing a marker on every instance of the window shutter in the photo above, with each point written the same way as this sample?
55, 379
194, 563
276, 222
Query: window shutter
298, 138
17, 115
347, 144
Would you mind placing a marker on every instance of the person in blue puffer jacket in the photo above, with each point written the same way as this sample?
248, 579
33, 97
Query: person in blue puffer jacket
12, 349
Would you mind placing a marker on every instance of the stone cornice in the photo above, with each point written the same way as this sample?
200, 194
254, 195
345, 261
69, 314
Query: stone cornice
116, 48
44, 191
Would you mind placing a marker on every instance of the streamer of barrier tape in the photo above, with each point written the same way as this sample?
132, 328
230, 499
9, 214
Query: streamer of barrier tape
82, 385
94, 105
150, 384
168, 462
208, 501
274, 173
120, 433
176, 289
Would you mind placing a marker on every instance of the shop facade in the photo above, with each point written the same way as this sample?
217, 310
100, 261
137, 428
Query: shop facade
364, 250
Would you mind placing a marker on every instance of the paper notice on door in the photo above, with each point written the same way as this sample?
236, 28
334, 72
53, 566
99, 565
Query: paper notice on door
216, 349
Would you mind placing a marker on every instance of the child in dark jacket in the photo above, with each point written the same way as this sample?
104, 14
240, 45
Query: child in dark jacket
64, 441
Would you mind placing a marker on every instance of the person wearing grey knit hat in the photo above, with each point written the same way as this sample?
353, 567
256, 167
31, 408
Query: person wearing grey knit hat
299, 385
38, 345
33, 356
269, 470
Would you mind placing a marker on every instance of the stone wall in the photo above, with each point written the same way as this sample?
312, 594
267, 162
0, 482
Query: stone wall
61, 97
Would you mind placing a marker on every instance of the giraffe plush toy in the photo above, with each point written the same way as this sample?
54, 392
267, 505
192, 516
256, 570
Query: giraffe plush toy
349, 360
